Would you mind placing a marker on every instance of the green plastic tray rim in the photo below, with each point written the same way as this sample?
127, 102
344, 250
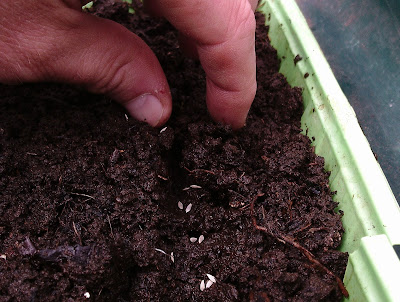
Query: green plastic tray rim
371, 214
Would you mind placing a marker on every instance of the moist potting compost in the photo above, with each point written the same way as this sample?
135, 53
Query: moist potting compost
97, 206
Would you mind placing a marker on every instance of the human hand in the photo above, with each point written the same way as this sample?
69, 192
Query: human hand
53, 40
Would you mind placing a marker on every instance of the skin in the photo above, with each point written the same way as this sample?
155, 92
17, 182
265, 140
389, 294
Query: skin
53, 40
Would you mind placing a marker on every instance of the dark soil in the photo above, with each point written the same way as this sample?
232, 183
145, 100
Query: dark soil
87, 196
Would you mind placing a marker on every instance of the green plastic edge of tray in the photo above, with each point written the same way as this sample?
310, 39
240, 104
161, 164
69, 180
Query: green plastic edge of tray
370, 210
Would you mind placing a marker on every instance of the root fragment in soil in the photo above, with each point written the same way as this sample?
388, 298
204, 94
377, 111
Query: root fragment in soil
289, 240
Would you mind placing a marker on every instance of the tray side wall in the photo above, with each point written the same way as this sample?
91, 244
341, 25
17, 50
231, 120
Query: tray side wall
363, 193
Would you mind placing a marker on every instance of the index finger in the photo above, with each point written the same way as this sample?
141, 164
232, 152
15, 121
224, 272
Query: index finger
224, 33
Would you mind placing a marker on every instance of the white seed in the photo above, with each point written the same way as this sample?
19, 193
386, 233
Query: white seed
180, 205
201, 238
87, 295
212, 278
202, 285
209, 283
172, 257
126, 117
185, 189
162, 177
163, 129
188, 208
195, 187
3, 257
193, 239
161, 251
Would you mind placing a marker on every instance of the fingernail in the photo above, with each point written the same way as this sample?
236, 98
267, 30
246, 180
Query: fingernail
146, 108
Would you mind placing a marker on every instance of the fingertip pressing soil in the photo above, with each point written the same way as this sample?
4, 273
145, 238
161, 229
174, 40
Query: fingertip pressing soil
94, 203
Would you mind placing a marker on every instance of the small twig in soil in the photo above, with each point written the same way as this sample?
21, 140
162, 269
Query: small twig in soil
244, 207
292, 242
62, 211
84, 195
290, 209
109, 223
76, 232
303, 228
31, 153
199, 170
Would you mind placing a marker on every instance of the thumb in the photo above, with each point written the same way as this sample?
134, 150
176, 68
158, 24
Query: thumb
59, 43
